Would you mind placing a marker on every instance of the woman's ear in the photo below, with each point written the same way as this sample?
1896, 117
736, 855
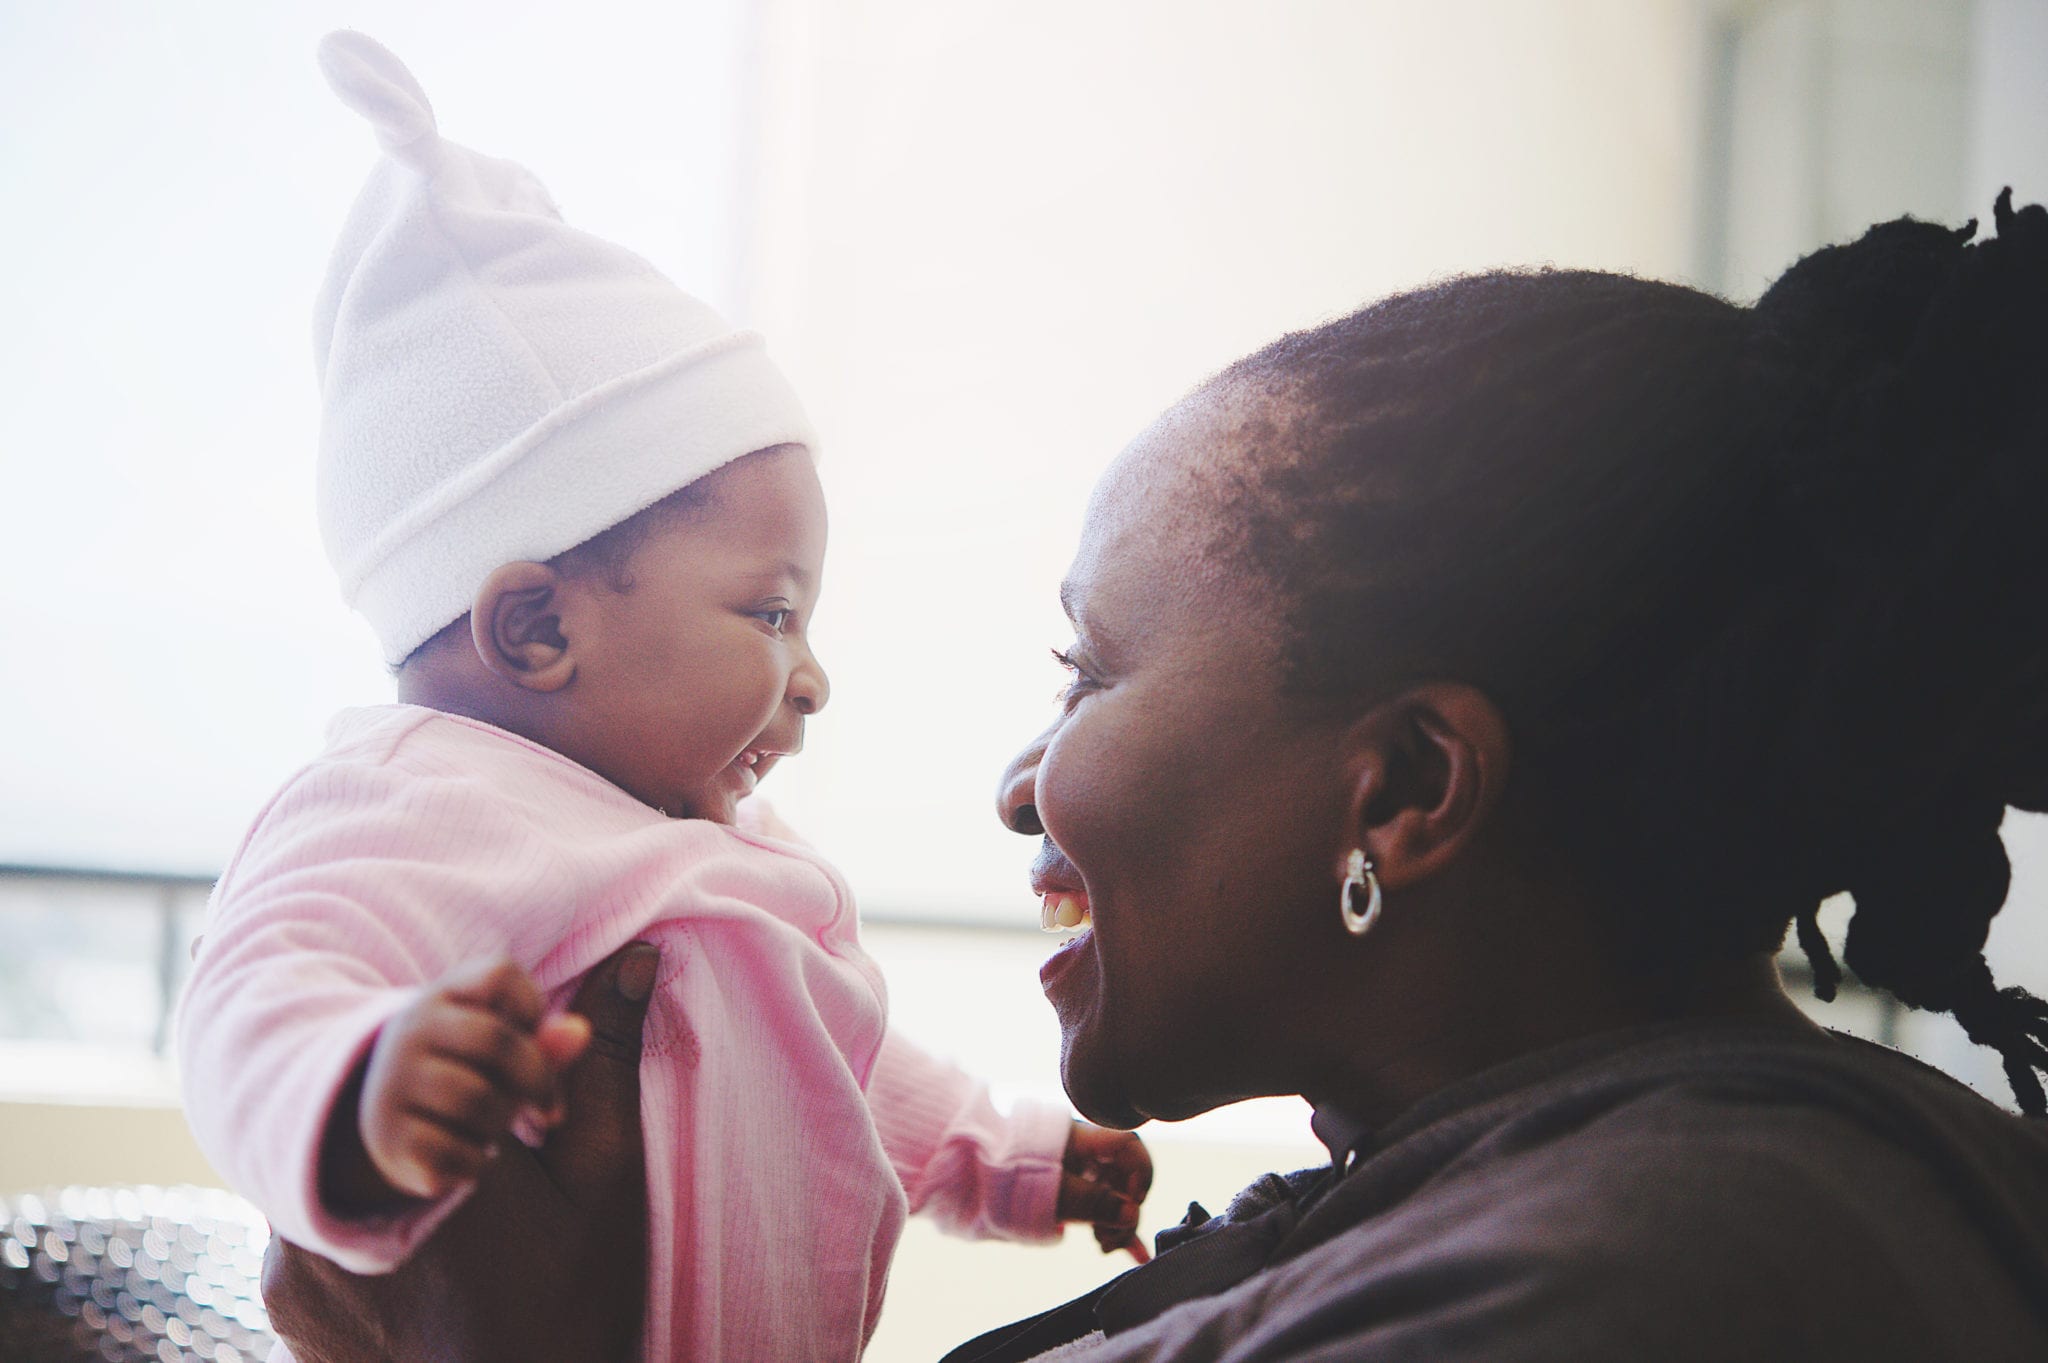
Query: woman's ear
1426, 766
516, 625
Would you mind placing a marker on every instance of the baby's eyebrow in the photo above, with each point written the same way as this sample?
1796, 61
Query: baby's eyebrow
1067, 594
774, 574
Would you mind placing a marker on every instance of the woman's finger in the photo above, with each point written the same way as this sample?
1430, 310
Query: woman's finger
599, 1139
300, 1293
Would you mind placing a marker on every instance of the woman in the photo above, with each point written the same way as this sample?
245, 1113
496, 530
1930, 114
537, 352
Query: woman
1467, 695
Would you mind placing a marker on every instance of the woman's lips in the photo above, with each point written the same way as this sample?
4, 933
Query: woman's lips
1071, 952
1064, 911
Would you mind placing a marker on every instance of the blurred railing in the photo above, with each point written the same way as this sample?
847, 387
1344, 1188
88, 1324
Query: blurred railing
95, 956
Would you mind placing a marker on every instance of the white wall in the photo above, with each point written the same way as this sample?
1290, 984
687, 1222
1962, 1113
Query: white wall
2007, 129
1845, 113
992, 241
2007, 111
175, 175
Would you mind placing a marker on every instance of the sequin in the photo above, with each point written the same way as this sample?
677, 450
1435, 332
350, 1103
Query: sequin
131, 1275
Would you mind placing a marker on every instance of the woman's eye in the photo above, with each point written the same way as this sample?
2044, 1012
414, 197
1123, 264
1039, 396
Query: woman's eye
774, 619
1078, 682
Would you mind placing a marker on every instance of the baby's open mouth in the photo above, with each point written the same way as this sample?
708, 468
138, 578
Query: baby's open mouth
1064, 911
752, 765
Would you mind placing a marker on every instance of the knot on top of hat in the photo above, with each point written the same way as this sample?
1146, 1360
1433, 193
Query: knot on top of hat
374, 82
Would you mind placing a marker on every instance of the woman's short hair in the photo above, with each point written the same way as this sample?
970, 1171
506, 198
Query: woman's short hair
1762, 591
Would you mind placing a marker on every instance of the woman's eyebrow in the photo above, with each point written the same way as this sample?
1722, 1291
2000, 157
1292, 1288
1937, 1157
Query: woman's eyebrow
1088, 634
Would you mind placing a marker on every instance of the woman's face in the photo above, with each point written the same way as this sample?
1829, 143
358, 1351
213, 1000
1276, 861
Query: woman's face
1192, 813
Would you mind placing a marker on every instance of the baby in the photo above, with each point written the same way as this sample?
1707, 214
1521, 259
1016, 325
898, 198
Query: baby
582, 515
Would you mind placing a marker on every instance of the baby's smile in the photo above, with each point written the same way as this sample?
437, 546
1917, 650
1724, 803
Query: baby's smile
751, 765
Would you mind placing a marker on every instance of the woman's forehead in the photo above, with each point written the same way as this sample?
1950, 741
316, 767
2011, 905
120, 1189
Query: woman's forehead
1155, 476
1147, 511
1177, 475
1152, 544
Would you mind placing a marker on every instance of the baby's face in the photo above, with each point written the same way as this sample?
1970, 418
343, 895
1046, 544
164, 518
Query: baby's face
692, 683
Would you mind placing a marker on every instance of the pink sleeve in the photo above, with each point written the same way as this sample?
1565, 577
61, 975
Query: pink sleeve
976, 1171
325, 926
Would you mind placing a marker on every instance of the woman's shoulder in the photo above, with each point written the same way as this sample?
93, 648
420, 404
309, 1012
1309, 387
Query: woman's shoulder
1679, 1193
1706, 1192
1715, 1115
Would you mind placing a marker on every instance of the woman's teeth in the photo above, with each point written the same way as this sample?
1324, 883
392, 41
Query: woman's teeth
1063, 913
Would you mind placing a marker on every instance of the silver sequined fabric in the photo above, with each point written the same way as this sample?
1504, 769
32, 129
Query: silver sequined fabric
124, 1275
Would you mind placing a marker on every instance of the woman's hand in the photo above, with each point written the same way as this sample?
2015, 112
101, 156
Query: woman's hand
1106, 1176
547, 1258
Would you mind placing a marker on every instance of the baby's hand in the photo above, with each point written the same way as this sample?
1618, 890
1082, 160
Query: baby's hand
1105, 1177
448, 1076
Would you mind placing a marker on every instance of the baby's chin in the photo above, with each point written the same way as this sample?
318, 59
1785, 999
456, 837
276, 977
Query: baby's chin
718, 799
711, 806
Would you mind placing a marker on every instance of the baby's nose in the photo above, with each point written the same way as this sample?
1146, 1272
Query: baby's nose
809, 688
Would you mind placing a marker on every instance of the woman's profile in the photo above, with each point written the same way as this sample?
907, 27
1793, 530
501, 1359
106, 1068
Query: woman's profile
1469, 695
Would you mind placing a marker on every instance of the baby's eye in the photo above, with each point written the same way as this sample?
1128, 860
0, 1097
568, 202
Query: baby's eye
774, 618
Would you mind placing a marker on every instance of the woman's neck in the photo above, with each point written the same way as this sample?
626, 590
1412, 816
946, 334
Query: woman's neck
1533, 1010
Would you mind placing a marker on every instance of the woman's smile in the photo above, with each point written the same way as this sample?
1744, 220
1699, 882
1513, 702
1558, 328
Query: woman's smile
1079, 947
1171, 794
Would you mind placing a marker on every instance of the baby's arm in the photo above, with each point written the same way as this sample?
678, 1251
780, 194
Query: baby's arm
441, 1088
357, 890
982, 1173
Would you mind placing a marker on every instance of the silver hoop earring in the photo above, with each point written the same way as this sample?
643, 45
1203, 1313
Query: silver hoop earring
1358, 875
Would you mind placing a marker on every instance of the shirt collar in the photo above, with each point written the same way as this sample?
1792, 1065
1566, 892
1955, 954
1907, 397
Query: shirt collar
1340, 1133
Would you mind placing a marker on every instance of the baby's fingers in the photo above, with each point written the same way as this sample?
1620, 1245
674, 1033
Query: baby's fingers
1086, 1197
462, 1101
1119, 1231
1133, 1245
1118, 1158
428, 1160
562, 1038
500, 987
506, 1055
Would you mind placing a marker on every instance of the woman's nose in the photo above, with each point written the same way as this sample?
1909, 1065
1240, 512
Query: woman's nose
1017, 795
809, 688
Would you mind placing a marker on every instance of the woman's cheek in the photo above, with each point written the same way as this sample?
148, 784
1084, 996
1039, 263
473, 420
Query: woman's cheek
1078, 777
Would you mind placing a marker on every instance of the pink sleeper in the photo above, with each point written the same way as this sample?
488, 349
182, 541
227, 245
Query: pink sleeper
788, 1131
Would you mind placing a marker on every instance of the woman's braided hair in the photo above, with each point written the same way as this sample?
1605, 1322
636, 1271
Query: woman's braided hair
1763, 592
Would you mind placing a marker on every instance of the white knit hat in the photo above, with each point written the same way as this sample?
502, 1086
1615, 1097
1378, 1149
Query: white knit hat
496, 385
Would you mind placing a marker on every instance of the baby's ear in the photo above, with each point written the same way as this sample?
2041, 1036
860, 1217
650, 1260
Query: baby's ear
516, 625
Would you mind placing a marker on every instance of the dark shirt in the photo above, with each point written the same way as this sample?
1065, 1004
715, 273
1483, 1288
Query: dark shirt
1675, 1193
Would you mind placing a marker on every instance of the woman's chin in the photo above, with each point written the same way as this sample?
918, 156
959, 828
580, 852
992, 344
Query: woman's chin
1103, 1108
1093, 1081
